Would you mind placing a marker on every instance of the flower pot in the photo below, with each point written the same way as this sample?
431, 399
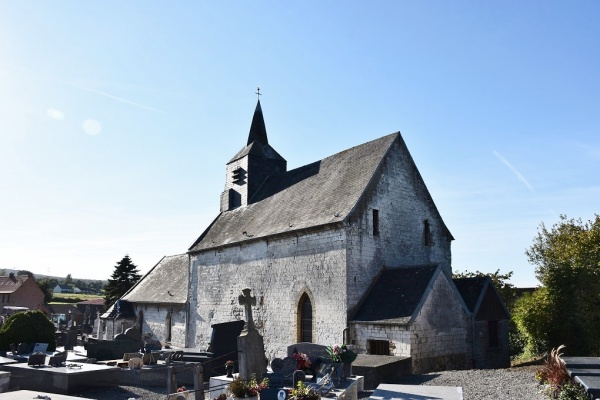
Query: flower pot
347, 371
229, 370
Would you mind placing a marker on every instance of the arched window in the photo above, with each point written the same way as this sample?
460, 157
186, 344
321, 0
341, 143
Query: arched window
140, 321
168, 324
306, 318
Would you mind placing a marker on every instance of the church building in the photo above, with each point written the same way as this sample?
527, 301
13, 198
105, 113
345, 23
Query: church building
348, 248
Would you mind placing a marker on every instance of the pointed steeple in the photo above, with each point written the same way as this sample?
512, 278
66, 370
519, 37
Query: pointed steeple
251, 166
258, 131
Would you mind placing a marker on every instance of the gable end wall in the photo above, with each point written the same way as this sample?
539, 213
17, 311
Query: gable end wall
403, 202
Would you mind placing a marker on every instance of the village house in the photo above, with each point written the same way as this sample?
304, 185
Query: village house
19, 292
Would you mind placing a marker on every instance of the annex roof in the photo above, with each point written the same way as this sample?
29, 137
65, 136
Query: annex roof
165, 283
324, 192
395, 295
470, 289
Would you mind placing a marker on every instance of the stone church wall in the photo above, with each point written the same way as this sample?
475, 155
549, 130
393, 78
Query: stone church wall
403, 205
486, 356
398, 336
440, 332
155, 322
278, 271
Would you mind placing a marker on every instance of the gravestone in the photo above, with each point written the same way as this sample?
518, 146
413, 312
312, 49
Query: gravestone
275, 380
251, 348
288, 367
276, 364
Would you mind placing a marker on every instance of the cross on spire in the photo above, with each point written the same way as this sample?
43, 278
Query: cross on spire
258, 93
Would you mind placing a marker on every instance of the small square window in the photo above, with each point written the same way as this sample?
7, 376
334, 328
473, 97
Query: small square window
379, 347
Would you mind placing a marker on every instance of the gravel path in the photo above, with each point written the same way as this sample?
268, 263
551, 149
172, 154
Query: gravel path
498, 384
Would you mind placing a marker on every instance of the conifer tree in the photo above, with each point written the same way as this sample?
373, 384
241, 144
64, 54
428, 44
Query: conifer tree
122, 279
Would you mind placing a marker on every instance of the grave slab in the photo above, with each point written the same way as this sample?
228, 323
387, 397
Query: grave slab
347, 390
6, 360
582, 362
591, 384
61, 380
31, 394
573, 372
410, 392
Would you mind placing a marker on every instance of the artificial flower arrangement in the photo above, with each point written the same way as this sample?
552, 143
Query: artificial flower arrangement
303, 392
341, 353
302, 360
239, 388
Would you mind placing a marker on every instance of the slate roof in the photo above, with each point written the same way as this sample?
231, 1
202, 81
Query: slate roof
64, 309
165, 283
321, 193
470, 289
125, 310
395, 295
9, 284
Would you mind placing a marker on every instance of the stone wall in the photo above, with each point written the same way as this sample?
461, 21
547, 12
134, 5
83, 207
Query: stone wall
437, 338
278, 271
398, 336
155, 322
440, 332
485, 356
403, 204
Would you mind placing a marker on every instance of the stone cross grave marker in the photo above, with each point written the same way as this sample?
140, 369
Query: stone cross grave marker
248, 301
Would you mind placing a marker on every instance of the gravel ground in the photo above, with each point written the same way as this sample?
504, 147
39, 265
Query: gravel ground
498, 384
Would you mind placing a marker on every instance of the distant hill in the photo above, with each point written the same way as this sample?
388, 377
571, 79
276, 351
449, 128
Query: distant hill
85, 285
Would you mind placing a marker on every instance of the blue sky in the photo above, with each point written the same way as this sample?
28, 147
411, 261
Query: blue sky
117, 118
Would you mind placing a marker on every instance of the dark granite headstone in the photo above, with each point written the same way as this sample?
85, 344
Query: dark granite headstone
273, 394
288, 368
275, 379
276, 364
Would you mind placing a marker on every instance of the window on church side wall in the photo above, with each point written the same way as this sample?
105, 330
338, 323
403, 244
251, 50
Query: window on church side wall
168, 324
379, 347
306, 319
375, 222
426, 233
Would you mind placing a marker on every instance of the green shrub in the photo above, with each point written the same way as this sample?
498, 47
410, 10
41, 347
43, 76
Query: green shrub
572, 391
27, 327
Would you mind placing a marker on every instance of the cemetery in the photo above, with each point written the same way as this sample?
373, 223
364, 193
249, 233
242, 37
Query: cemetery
237, 368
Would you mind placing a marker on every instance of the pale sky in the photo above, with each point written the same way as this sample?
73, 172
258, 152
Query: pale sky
117, 118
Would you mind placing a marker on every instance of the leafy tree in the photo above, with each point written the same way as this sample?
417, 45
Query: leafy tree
122, 279
567, 308
24, 272
46, 287
27, 327
68, 279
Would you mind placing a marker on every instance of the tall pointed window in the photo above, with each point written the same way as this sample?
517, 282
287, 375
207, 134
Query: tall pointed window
140, 321
375, 222
168, 324
306, 318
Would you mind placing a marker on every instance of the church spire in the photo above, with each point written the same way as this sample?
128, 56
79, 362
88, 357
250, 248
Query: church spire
258, 131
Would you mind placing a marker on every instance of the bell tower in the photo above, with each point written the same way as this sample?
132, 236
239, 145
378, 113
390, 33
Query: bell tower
251, 166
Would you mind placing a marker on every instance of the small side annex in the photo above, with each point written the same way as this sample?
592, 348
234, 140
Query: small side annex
414, 312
